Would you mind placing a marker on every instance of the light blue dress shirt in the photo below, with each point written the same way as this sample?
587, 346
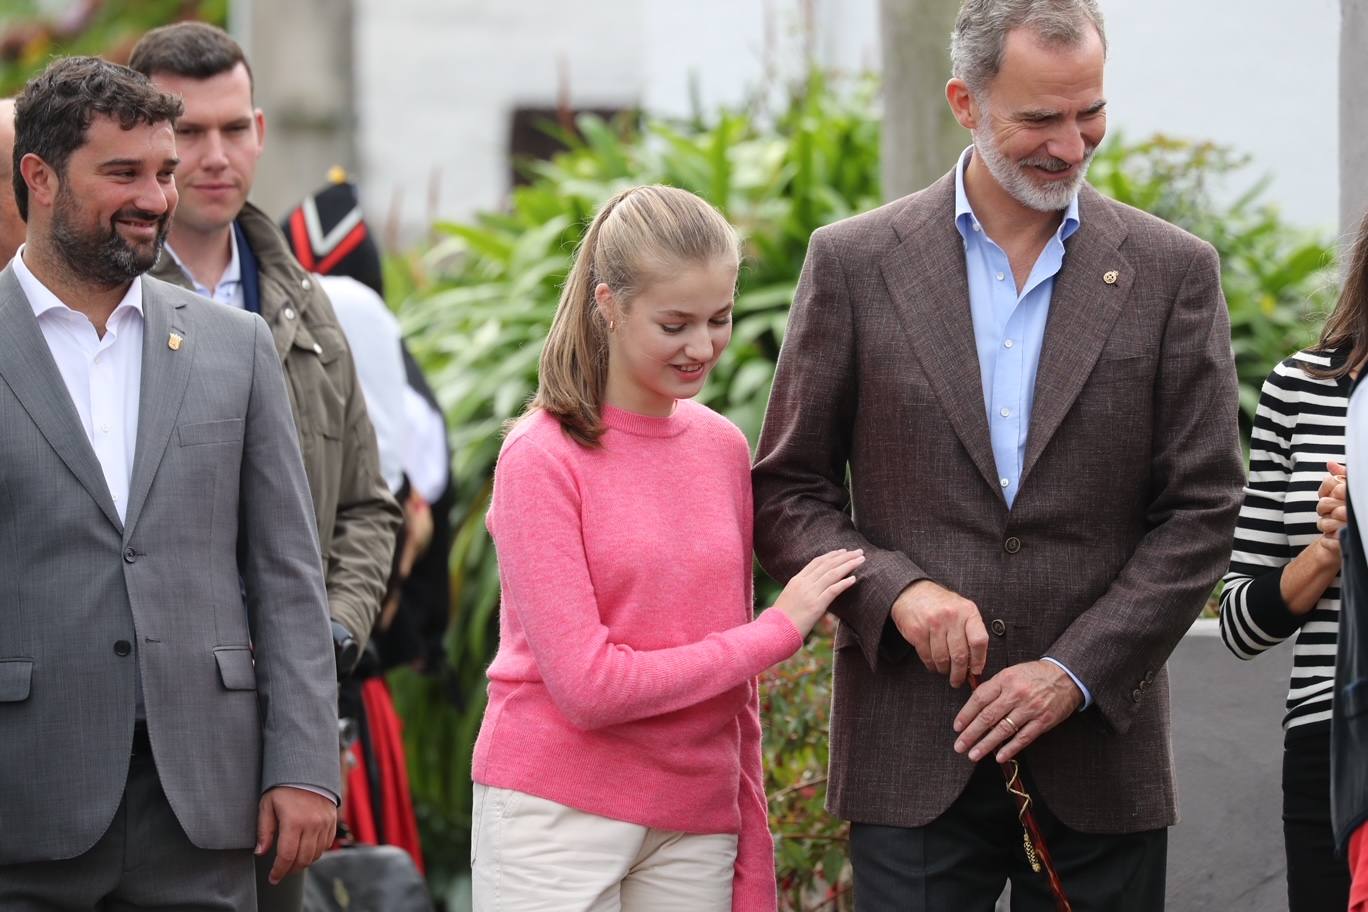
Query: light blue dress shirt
229, 289
1009, 330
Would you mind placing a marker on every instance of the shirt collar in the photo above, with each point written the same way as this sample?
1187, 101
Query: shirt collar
42, 300
232, 274
965, 219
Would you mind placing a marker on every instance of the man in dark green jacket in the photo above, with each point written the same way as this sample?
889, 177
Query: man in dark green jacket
226, 249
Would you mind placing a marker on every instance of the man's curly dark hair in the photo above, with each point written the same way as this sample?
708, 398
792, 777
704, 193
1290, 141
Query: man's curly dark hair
54, 112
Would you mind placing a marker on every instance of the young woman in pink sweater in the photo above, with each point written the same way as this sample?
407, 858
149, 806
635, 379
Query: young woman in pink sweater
618, 766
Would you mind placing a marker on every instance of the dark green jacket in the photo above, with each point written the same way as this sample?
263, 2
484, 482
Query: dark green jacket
357, 517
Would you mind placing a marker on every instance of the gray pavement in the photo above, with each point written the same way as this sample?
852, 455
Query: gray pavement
1227, 850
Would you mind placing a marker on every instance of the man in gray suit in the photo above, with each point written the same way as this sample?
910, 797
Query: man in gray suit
1032, 392
167, 695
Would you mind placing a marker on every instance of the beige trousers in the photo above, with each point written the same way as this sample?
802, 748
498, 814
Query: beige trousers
528, 854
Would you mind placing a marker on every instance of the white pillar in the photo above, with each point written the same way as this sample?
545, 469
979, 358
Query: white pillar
1353, 116
920, 136
302, 63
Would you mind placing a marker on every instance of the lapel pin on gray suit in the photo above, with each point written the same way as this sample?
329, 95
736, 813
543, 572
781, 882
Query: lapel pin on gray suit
167, 685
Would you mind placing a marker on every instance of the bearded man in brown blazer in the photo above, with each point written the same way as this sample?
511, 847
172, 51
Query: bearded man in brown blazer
1019, 399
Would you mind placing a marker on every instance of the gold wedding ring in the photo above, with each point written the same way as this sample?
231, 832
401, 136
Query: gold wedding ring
1008, 720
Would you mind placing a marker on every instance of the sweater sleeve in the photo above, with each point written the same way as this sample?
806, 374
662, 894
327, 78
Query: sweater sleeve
753, 886
1254, 617
595, 682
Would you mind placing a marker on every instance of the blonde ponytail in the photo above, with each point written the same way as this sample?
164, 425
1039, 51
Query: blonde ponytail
640, 235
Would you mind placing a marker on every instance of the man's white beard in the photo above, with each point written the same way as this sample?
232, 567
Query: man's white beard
1016, 180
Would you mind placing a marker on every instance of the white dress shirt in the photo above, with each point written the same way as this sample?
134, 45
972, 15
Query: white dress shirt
103, 375
425, 455
1356, 455
373, 335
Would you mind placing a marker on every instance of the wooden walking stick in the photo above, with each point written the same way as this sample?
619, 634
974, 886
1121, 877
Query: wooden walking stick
1033, 841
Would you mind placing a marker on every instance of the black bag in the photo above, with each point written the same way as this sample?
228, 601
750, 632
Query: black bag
365, 878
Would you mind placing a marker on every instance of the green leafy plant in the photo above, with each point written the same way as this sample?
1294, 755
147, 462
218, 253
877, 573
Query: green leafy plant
106, 28
809, 844
477, 300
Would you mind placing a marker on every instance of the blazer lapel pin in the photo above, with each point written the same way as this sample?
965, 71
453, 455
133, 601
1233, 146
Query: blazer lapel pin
1110, 276
174, 341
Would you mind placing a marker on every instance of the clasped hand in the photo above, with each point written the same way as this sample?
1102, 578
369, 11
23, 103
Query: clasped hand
1008, 711
1332, 510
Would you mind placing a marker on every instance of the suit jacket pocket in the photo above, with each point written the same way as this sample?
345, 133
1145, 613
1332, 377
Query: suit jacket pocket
1128, 370
228, 430
236, 668
16, 676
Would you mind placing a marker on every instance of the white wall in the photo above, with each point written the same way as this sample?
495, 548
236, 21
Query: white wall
729, 47
439, 79
1259, 75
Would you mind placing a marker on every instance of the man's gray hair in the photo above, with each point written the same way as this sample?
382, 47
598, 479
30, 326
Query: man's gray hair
982, 26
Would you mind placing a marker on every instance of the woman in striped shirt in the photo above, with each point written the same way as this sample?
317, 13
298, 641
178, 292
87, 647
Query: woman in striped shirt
1284, 581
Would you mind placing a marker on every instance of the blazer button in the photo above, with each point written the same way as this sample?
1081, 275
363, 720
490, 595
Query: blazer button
130, 556
1012, 545
1149, 677
1136, 695
999, 627
123, 648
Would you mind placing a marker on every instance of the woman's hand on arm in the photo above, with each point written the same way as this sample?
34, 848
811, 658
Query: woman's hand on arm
810, 593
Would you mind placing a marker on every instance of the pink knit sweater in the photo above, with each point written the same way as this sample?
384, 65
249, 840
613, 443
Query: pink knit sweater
624, 684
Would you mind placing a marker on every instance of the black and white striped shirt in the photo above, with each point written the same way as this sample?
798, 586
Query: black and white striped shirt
1299, 426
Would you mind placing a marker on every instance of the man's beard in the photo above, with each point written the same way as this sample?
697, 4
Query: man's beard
103, 257
1016, 180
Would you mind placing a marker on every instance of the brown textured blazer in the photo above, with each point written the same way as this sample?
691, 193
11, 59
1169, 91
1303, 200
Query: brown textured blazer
1121, 526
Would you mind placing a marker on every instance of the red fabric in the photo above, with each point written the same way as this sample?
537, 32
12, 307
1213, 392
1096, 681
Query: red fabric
299, 235
397, 825
356, 809
341, 251
1358, 867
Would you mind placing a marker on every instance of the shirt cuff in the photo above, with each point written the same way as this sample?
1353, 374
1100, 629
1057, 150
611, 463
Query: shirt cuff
333, 798
1087, 694
1267, 608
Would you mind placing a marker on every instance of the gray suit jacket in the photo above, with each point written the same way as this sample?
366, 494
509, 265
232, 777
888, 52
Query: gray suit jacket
1123, 523
239, 698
